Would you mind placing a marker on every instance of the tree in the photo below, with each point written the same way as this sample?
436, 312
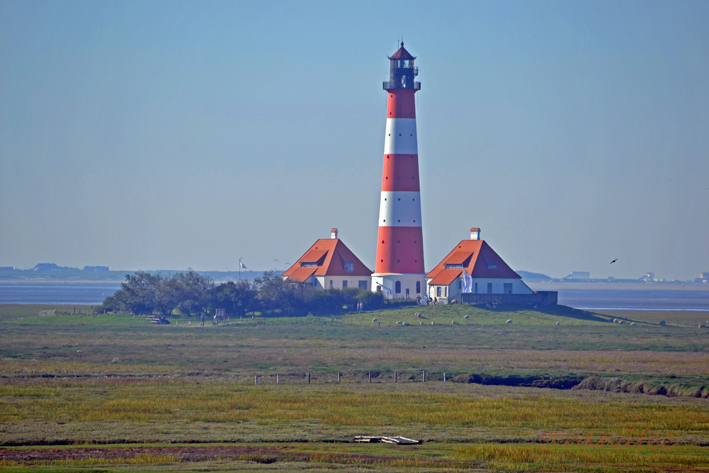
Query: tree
274, 293
193, 292
138, 292
236, 298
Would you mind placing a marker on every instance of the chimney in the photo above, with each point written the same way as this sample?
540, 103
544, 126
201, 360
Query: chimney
333, 233
474, 233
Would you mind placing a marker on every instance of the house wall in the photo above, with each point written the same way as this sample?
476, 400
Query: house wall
323, 282
498, 287
408, 281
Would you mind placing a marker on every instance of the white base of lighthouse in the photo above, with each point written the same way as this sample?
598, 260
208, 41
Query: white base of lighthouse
399, 286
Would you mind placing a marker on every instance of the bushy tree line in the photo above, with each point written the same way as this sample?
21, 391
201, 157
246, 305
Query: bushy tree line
194, 294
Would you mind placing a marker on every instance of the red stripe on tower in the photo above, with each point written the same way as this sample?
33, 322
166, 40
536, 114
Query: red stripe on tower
399, 270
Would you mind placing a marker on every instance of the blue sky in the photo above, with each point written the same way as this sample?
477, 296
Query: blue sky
154, 135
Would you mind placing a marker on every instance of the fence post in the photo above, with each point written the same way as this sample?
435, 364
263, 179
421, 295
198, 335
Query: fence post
444, 376
396, 376
338, 377
256, 379
308, 378
278, 379
424, 376
370, 376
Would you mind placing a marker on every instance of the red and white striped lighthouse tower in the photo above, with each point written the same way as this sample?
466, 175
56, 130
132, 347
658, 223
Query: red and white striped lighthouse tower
399, 270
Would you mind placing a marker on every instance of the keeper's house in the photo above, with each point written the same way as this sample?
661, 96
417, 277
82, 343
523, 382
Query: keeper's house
492, 279
329, 264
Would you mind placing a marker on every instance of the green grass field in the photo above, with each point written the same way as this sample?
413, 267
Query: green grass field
73, 381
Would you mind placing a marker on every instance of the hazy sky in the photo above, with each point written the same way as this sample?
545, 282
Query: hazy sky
154, 135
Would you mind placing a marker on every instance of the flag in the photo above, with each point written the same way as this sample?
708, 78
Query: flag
243, 266
467, 282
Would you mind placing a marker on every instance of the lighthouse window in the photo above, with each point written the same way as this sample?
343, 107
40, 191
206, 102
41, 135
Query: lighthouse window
406, 63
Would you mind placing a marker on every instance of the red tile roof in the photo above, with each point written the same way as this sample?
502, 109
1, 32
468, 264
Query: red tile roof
484, 262
330, 255
446, 277
313, 256
458, 257
302, 274
402, 53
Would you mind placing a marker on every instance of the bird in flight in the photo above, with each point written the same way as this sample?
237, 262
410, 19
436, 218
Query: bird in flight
614, 260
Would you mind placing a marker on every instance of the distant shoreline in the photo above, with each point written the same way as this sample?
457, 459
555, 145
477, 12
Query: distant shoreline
619, 286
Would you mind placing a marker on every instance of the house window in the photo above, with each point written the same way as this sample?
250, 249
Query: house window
508, 288
349, 266
330, 283
363, 285
460, 285
397, 288
491, 266
407, 292
344, 284
418, 287
489, 288
438, 291
445, 291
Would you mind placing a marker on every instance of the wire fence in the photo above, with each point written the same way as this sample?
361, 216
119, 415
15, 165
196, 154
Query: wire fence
371, 377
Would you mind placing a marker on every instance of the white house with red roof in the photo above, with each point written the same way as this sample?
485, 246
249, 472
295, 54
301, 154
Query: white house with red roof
329, 264
490, 274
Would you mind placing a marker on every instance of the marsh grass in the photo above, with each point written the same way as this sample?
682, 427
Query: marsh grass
381, 457
60, 385
574, 458
334, 406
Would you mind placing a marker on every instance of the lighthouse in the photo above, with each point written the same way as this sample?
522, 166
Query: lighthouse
399, 269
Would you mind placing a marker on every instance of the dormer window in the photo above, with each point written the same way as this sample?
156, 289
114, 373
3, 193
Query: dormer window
349, 266
453, 266
308, 265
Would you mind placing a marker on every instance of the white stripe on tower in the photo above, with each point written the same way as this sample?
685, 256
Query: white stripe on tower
400, 136
400, 209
